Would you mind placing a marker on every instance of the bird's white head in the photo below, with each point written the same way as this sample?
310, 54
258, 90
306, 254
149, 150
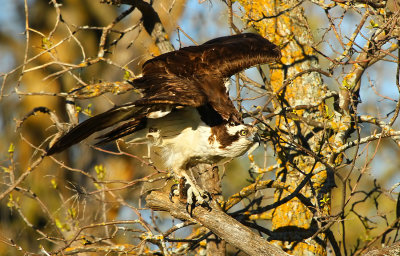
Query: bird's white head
237, 139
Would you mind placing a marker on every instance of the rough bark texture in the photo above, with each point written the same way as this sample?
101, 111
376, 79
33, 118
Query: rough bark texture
209, 179
219, 223
294, 222
393, 250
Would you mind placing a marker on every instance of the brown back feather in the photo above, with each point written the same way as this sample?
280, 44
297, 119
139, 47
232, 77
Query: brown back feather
194, 75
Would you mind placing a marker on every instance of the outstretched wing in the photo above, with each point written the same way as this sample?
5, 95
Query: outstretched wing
194, 75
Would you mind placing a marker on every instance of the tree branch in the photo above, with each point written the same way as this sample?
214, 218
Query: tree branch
218, 222
151, 22
390, 250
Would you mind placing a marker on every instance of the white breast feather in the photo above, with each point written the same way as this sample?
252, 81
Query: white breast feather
160, 113
181, 137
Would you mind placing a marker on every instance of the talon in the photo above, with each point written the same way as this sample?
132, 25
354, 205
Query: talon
172, 191
197, 197
191, 209
205, 205
207, 198
194, 195
182, 188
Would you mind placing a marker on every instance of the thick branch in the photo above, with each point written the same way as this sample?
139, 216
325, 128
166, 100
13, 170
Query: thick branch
219, 223
390, 250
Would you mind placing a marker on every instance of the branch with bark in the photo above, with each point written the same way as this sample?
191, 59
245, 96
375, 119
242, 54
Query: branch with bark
220, 223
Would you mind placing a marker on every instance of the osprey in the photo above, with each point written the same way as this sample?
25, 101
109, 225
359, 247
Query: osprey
186, 113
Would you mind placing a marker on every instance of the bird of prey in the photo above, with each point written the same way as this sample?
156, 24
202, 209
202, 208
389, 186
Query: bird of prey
185, 111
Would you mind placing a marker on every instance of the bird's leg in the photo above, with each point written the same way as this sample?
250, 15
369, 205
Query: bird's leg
187, 189
174, 191
178, 189
191, 190
195, 195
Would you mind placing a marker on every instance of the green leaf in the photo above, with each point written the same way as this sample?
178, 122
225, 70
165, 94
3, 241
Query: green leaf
100, 171
54, 183
72, 212
127, 75
373, 24
46, 43
11, 149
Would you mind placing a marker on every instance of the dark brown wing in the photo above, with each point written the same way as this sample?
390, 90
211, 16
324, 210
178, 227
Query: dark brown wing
194, 76
122, 130
222, 57
170, 89
98, 123
196, 92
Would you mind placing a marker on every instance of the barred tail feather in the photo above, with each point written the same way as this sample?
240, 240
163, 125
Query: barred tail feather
122, 130
95, 124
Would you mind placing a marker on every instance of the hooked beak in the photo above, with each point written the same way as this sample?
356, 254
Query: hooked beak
257, 139
256, 142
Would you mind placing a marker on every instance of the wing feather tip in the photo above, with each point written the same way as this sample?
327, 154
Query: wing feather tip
53, 150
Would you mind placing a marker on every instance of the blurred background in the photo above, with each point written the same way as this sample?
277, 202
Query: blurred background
65, 194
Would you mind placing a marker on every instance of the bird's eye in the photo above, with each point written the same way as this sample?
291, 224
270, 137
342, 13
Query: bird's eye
231, 123
243, 132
